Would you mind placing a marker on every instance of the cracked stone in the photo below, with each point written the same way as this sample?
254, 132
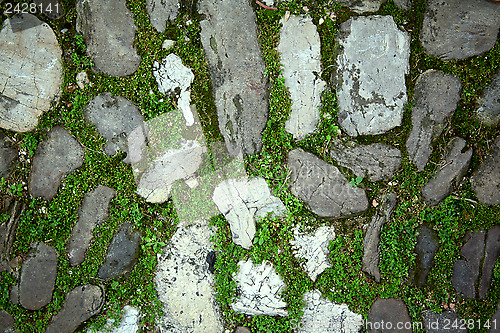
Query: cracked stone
160, 11
426, 248
442, 322
8, 153
466, 271
489, 104
391, 310
486, 180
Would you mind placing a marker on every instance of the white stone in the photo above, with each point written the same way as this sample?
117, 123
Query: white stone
128, 324
167, 43
82, 79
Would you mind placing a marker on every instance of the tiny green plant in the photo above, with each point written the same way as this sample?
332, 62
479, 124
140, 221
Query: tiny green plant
16, 189
152, 242
356, 181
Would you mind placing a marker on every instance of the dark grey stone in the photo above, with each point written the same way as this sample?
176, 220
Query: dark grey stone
391, 311
160, 11
466, 271
94, 212
109, 31
454, 166
435, 101
8, 228
122, 253
38, 277
486, 180
322, 187
489, 106
229, 38
403, 4
8, 153
81, 303
375, 162
426, 248
458, 29
6, 321
491, 252
442, 322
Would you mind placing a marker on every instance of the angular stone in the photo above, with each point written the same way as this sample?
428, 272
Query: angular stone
8, 153
185, 284
82, 80
55, 158
122, 253
109, 38
491, 252
442, 322
486, 180
391, 311
426, 248
370, 75
466, 272
229, 38
362, 6
260, 290
435, 101
129, 322
94, 212
300, 53
376, 161
115, 118
459, 29
321, 315
489, 105
38, 277
322, 187
160, 11
454, 166
30, 71
81, 303
371, 250
6, 322
242, 202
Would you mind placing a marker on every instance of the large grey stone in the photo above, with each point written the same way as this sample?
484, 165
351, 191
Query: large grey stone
160, 11
54, 159
443, 322
322, 187
362, 6
385, 316
486, 180
454, 166
81, 303
435, 100
376, 161
491, 251
38, 277
370, 74
109, 31
426, 248
229, 38
94, 212
129, 323
299, 49
466, 271
489, 104
6, 322
30, 71
459, 29
8, 153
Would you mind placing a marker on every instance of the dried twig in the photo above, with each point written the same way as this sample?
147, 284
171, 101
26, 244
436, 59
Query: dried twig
265, 6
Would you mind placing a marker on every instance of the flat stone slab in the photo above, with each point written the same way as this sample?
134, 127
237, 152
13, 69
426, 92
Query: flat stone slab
466, 271
426, 249
435, 100
243, 202
129, 323
260, 290
94, 212
115, 118
160, 11
38, 277
321, 315
55, 158
376, 161
300, 53
370, 74
81, 303
109, 38
322, 187
6, 322
459, 29
8, 153
30, 71
454, 166
229, 38
362, 6
489, 104
443, 322
386, 314
185, 284
486, 180
122, 253
491, 252
313, 248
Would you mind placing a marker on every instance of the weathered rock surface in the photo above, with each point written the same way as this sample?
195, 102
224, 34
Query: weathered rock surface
459, 29
115, 118
321, 315
466, 271
260, 290
129, 322
390, 312
229, 38
455, 164
94, 212
313, 247
322, 187
486, 180
185, 284
489, 107
426, 248
122, 253
370, 75
6, 322
81, 303
442, 322
160, 11
242, 329
8, 153
242, 202
491, 251
371, 251
38, 277
403, 4
362, 6
376, 161
435, 101
30, 71
299, 49
109, 38
55, 158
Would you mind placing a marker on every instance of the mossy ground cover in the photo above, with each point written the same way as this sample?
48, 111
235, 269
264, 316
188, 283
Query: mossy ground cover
52, 221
